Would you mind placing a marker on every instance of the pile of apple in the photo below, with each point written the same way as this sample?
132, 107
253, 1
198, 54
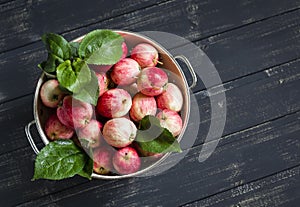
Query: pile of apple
128, 91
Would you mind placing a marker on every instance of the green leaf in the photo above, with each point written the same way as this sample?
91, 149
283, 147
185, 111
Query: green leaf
149, 129
57, 45
149, 121
73, 76
50, 65
58, 160
151, 137
101, 47
89, 92
165, 142
74, 48
88, 167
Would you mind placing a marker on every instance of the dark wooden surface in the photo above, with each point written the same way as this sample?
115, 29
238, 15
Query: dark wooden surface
255, 46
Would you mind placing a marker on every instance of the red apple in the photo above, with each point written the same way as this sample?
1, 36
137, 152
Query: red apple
74, 113
142, 105
51, 94
105, 68
125, 72
126, 161
145, 54
131, 89
103, 160
90, 135
119, 132
114, 103
103, 82
56, 130
151, 81
171, 98
124, 51
171, 121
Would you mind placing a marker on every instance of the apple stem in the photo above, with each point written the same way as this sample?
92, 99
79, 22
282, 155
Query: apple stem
159, 62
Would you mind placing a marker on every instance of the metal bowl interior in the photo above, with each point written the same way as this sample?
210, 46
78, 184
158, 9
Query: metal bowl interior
175, 73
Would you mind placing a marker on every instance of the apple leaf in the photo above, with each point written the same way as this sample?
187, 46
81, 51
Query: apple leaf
88, 167
74, 75
74, 48
151, 137
89, 92
79, 79
50, 65
58, 160
57, 45
101, 47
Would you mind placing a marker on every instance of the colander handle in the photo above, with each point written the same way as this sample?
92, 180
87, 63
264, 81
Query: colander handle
190, 67
29, 137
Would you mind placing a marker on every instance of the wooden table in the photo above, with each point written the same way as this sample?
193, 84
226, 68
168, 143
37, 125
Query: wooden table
255, 46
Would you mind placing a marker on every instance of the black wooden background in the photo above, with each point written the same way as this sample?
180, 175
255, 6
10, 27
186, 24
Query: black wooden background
255, 46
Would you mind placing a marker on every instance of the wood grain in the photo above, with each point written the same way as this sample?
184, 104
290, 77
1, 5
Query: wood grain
247, 46
24, 21
16, 174
253, 99
239, 158
279, 189
255, 47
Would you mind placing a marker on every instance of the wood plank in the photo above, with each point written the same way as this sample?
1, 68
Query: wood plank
16, 174
253, 99
239, 158
24, 24
255, 47
280, 189
13, 118
6, 5
21, 63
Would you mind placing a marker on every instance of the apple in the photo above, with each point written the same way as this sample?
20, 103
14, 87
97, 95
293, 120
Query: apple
90, 135
151, 81
126, 161
56, 130
131, 89
102, 160
171, 98
103, 82
142, 105
145, 54
124, 51
119, 132
74, 113
171, 121
105, 68
125, 72
51, 94
114, 103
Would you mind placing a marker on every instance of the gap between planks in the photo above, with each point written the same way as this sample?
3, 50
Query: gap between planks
153, 5
88, 25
